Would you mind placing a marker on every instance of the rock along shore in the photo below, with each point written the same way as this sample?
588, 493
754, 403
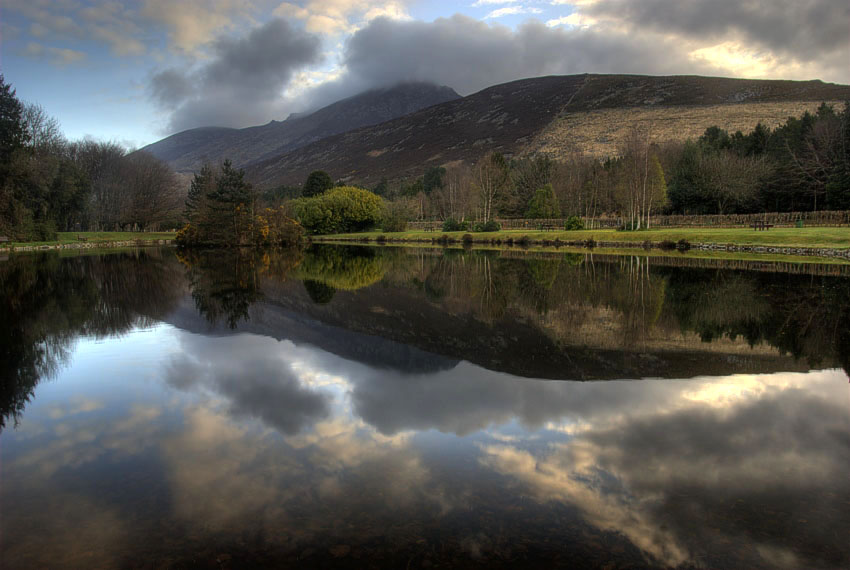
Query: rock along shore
90, 245
763, 249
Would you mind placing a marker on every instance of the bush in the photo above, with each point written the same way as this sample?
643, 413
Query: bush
574, 223
273, 227
490, 226
340, 210
683, 245
466, 238
452, 225
667, 244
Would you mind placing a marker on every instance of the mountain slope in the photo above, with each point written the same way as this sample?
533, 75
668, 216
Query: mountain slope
538, 115
187, 151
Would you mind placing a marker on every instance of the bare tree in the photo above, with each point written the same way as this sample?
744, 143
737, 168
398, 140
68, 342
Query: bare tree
152, 191
45, 133
491, 176
731, 179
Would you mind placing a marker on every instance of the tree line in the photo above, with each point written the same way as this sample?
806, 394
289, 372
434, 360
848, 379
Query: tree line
801, 165
50, 184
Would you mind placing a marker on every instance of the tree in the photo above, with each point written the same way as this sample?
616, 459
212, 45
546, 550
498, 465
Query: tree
13, 132
544, 204
528, 175
433, 179
317, 182
232, 204
203, 184
491, 176
43, 131
731, 181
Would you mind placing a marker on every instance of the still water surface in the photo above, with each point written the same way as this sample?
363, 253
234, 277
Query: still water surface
355, 407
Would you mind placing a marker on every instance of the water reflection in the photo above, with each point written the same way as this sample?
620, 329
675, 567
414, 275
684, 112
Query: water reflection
303, 437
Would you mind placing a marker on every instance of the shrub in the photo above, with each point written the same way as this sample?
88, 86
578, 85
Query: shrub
667, 244
523, 241
452, 225
490, 226
683, 245
466, 238
187, 236
590, 244
339, 210
273, 227
574, 223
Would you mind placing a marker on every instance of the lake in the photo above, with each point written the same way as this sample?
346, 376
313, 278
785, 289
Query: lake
422, 408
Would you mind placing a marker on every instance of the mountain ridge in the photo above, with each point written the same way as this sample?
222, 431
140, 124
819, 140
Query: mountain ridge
513, 117
188, 150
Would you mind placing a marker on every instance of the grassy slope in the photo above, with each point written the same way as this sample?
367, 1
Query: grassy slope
95, 237
837, 238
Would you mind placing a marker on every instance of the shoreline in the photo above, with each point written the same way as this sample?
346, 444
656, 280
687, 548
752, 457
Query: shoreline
763, 249
89, 245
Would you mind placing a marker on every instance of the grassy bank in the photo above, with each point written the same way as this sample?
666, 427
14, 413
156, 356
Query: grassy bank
96, 237
824, 237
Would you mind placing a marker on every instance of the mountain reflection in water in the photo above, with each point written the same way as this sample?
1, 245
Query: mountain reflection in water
379, 407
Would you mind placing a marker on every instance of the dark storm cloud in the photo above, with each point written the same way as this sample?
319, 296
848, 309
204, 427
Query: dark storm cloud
469, 55
807, 29
242, 84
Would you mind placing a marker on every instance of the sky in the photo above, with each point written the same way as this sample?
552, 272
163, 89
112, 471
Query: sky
134, 72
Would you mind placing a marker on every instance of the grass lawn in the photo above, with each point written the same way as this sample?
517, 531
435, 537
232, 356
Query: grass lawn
826, 237
95, 237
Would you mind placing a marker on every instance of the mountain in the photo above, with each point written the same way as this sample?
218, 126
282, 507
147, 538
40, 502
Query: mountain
551, 115
187, 151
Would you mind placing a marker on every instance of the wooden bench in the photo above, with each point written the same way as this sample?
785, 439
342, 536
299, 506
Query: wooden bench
4, 239
82, 238
761, 226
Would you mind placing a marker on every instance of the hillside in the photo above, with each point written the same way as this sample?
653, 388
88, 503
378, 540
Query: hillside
187, 151
546, 114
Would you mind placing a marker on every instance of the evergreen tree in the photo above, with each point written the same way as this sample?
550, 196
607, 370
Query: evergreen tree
544, 204
317, 183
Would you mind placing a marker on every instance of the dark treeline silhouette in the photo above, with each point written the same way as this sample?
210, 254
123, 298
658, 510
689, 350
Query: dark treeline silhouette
49, 301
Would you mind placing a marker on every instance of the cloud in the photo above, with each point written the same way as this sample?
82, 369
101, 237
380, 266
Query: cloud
469, 55
192, 23
334, 17
58, 57
243, 82
512, 11
782, 38
109, 22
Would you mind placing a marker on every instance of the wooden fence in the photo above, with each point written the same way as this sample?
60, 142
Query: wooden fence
777, 219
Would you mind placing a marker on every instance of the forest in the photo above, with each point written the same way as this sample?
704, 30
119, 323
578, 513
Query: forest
50, 184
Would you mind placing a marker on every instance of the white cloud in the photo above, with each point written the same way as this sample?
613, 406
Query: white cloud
512, 11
